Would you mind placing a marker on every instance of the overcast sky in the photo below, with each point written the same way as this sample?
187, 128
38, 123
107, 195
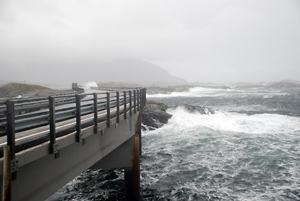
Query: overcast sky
203, 41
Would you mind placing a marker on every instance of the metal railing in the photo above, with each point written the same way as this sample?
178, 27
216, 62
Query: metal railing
26, 114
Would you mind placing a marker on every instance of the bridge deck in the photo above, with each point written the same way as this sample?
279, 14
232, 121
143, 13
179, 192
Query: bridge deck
107, 137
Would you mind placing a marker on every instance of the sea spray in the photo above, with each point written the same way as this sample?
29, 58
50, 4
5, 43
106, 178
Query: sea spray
87, 86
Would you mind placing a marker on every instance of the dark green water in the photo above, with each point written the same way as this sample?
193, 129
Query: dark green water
248, 150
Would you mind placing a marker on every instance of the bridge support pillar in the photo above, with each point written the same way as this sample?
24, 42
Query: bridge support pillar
132, 174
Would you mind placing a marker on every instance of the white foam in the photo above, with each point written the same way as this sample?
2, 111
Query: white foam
193, 92
235, 122
87, 85
229, 155
216, 92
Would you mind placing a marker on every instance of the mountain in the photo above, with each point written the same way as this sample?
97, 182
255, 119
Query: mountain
137, 71
67, 72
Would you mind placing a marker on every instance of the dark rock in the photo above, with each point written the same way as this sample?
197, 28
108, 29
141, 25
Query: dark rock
154, 115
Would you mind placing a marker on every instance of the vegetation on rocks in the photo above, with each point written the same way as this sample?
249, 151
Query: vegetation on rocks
13, 90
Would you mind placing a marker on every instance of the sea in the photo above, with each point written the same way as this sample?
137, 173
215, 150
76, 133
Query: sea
248, 149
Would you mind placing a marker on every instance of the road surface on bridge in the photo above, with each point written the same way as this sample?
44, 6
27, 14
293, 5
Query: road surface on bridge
26, 136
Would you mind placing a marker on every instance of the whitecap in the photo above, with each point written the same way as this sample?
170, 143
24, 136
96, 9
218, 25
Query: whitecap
220, 92
235, 122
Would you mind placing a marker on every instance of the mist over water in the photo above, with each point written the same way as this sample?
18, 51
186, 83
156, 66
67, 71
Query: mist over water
247, 150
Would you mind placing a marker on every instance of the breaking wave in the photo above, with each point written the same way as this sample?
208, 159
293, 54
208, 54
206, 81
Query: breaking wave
219, 92
222, 156
235, 122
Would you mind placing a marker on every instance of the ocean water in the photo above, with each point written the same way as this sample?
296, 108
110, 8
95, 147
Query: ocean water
248, 150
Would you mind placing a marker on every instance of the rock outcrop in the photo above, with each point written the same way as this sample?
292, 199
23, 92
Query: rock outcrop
154, 115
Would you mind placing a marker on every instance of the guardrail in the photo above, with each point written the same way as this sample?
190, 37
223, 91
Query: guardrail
25, 114
31, 101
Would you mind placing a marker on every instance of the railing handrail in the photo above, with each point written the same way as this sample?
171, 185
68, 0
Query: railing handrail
61, 108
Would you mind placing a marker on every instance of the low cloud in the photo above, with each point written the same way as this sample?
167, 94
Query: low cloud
205, 41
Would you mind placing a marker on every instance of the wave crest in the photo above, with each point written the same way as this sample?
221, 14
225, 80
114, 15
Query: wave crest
234, 122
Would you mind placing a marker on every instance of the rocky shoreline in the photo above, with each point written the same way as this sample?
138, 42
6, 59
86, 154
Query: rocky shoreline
155, 115
18, 90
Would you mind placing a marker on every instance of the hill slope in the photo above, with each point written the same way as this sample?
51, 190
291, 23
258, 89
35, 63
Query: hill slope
66, 72
138, 71
11, 90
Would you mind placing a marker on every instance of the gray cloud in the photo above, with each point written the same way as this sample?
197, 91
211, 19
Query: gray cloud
205, 41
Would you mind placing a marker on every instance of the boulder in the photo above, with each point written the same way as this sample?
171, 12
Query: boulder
154, 115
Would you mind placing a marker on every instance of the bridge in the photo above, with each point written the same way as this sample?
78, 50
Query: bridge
46, 142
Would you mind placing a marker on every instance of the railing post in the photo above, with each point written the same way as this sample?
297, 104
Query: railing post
78, 119
130, 103
53, 144
11, 126
118, 106
95, 113
145, 97
10, 108
141, 97
7, 176
108, 109
134, 101
138, 100
125, 110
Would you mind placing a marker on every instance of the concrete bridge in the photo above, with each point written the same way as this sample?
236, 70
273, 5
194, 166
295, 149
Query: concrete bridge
46, 142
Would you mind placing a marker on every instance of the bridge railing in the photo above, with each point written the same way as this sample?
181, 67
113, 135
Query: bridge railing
33, 104
26, 114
